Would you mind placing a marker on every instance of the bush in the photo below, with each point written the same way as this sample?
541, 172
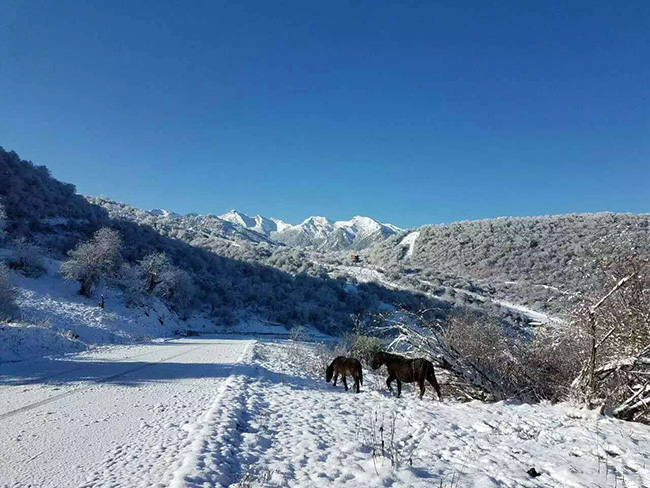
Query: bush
176, 288
361, 346
27, 258
613, 330
91, 261
298, 333
8, 294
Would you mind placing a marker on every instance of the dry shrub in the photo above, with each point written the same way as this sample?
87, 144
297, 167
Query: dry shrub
528, 365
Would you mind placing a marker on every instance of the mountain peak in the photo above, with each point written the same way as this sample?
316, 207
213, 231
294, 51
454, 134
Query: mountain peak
316, 230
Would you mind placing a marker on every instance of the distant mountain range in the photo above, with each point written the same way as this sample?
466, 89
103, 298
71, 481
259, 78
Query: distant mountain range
318, 233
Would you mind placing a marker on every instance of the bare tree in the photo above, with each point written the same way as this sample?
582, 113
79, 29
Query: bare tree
93, 260
616, 328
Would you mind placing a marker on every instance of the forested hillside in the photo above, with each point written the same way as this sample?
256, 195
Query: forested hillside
532, 259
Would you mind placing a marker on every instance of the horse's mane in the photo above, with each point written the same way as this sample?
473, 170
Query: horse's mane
392, 356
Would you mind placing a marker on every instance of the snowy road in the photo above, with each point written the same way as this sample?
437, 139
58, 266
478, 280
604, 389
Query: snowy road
119, 416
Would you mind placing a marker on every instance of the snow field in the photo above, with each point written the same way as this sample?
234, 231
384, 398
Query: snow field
282, 426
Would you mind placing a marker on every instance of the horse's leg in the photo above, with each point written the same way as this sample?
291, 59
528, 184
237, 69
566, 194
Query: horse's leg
389, 381
399, 387
336, 377
345, 382
431, 378
356, 382
421, 384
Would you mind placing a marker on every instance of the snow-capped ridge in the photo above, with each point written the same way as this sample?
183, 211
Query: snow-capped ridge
161, 212
316, 231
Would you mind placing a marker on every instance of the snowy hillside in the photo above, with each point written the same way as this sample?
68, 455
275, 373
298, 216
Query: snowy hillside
55, 319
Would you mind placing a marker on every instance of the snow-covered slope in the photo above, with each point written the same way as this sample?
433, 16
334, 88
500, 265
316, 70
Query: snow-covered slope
55, 319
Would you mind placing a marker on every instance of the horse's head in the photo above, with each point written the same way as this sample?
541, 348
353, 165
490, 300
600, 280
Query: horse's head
329, 372
377, 360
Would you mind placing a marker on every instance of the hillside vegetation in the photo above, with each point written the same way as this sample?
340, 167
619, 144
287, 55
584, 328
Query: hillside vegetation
540, 261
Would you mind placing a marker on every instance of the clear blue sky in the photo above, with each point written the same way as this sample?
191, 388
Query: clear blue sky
410, 112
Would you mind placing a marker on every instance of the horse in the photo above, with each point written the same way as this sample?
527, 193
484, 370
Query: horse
406, 370
345, 367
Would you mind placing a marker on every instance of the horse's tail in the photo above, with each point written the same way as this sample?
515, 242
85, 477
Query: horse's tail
431, 378
329, 372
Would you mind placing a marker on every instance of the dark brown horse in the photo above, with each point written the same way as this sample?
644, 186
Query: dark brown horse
345, 367
406, 370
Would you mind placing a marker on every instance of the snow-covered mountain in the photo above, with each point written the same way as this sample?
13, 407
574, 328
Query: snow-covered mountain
258, 223
317, 232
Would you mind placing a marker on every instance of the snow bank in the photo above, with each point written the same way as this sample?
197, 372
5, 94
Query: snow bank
20, 341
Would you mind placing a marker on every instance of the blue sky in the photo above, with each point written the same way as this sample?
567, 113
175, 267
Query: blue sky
410, 112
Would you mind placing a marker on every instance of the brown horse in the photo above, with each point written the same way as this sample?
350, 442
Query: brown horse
406, 370
345, 367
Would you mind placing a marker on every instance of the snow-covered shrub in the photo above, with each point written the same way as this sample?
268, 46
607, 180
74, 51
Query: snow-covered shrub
91, 261
176, 288
129, 280
28, 258
3, 221
298, 333
494, 355
8, 294
358, 343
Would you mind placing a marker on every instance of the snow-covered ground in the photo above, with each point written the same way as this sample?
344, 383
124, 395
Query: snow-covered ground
237, 412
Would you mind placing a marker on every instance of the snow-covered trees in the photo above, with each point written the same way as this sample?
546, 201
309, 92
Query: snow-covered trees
163, 279
91, 261
176, 288
3, 221
34, 199
154, 267
8, 293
